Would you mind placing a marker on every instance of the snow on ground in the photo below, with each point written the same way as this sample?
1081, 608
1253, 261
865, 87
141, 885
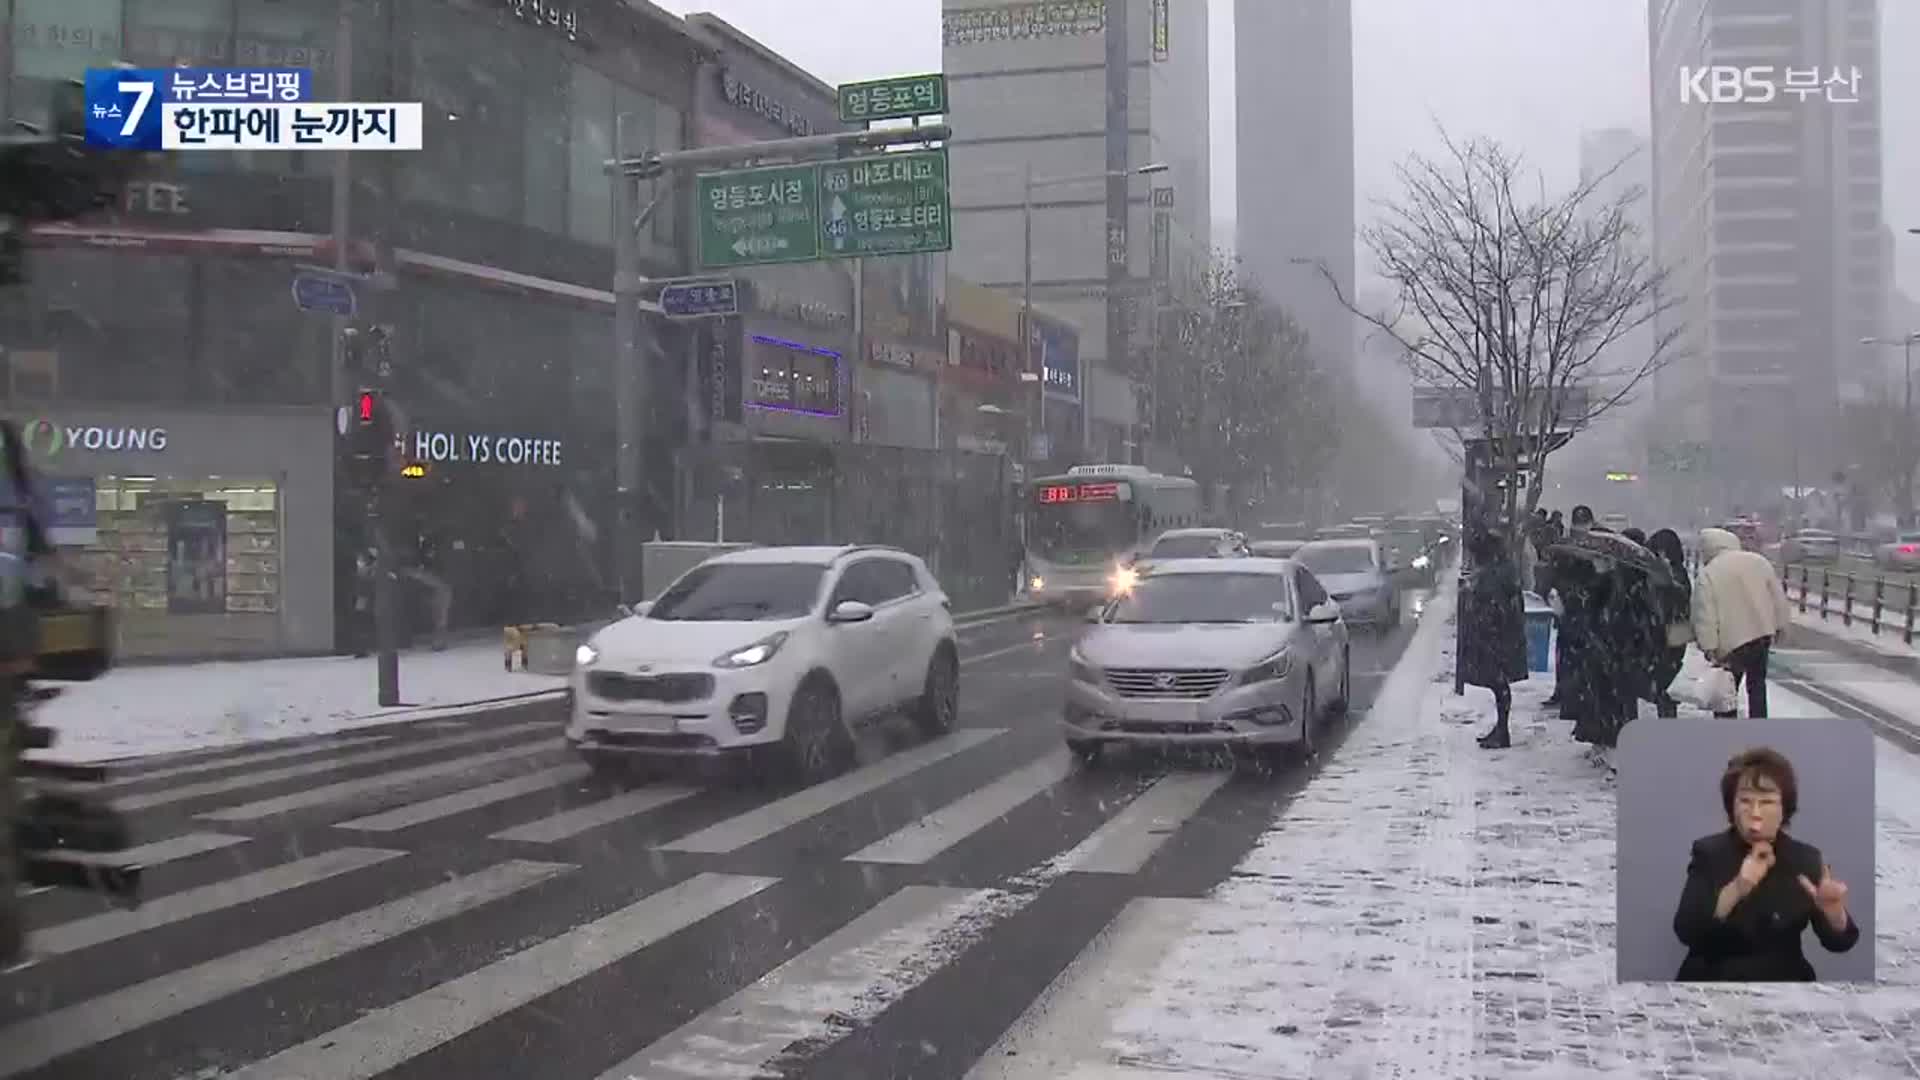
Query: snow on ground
135, 711
1890, 641
1429, 909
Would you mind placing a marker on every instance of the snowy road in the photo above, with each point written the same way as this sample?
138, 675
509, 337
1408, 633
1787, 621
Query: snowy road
454, 897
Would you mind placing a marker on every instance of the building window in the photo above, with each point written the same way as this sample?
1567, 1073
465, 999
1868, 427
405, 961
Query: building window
167, 33
468, 107
252, 348
544, 160
55, 40
590, 146
279, 33
116, 323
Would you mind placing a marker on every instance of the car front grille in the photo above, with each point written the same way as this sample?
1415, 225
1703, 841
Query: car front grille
1175, 683
678, 686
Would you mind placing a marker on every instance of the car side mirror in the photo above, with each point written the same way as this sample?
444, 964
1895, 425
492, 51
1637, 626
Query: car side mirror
1324, 612
850, 611
638, 610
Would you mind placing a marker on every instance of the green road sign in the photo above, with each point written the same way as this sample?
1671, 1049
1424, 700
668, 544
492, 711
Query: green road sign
892, 99
768, 215
888, 204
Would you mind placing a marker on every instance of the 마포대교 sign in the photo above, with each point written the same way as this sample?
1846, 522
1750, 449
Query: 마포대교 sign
887, 204
764, 215
893, 99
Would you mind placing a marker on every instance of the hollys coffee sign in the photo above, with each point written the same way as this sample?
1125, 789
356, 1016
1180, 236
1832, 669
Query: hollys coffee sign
447, 446
48, 439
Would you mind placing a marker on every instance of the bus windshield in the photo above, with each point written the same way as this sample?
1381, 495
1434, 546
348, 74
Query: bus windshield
1080, 531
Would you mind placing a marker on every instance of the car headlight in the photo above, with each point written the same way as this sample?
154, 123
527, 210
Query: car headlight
751, 655
1037, 584
1124, 578
1421, 562
1273, 667
1080, 669
585, 655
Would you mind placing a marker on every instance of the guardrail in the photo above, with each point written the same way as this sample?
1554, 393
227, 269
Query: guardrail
1868, 598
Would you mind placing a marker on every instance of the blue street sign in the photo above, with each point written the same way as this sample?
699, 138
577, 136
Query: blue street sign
329, 295
700, 299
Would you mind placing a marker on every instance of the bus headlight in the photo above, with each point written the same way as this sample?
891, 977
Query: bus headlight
1037, 584
1124, 578
1421, 562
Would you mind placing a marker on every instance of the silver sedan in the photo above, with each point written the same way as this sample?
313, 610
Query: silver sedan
1245, 653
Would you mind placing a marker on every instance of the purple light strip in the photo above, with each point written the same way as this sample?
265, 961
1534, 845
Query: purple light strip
813, 350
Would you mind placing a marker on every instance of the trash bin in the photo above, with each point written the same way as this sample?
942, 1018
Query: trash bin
1539, 634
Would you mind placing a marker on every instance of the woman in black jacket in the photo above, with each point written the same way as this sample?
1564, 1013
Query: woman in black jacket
1675, 605
1493, 650
1752, 890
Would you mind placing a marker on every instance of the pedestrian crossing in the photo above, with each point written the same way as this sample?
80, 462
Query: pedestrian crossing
369, 906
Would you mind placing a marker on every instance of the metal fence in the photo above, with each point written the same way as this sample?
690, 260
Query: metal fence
954, 509
1881, 604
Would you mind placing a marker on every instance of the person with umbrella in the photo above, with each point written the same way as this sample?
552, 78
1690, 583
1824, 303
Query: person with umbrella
1610, 670
1740, 612
1675, 604
1494, 647
1573, 580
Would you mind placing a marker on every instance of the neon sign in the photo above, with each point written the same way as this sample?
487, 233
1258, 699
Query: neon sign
1054, 494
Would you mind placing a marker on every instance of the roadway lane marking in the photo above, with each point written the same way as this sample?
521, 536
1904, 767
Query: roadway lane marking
386, 1038
344, 761
178, 907
936, 832
1125, 843
173, 849
842, 982
758, 824
459, 802
235, 760
1063, 1031
350, 789
50, 1036
1032, 644
571, 823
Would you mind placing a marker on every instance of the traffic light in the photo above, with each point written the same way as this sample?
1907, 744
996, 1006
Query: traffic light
370, 440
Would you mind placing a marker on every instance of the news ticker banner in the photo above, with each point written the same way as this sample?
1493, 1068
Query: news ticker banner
237, 109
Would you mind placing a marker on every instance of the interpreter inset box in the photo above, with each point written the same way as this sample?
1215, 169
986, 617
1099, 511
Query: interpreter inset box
1745, 851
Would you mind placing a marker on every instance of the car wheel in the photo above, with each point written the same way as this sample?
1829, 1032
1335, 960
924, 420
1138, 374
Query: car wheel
939, 704
1087, 750
816, 742
1340, 704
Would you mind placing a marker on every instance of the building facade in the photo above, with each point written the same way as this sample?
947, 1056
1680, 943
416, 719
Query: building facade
173, 312
1293, 73
1027, 83
1768, 215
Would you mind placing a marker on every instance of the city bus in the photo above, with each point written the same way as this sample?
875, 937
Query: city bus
1082, 527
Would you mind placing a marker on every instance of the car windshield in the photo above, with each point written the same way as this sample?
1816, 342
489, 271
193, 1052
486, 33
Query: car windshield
1204, 598
1337, 558
741, 592
1909, 538
1275, 549
1185, 547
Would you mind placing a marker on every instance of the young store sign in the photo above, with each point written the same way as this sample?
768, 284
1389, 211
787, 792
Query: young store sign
47, 439
447, 446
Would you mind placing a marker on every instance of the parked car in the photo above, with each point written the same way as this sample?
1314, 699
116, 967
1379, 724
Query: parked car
775, 649
1275, 549
1408, 561
1810, 546
1901, 553
1355, 573
1243, 653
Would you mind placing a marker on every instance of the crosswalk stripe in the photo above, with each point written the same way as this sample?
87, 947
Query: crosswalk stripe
348, 789
32, 1043
1125, 843
848, 978
172, 849
570, 823
229, 784
178, 907
758, 824
234, 760
387, 1037
947, 826
459, 802
1062, 1030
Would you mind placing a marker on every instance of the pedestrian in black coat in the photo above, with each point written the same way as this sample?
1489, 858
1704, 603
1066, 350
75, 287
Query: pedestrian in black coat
1675, 605
1493, 648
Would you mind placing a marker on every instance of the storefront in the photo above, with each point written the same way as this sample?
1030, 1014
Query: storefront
903, 350
209, 533
984, 408
1056, 351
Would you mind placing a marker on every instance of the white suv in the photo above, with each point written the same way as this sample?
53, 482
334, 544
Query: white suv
776, 648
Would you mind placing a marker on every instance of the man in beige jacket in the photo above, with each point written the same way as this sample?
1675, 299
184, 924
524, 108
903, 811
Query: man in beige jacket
1740, 612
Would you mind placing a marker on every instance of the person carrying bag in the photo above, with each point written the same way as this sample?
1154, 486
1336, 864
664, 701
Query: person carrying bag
1740, 611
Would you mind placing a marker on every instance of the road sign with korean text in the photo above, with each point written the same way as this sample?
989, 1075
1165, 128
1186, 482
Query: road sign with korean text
700, 299
893, 99
764, 215
887, 204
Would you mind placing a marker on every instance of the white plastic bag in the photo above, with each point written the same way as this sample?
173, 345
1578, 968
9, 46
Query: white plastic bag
1718, 691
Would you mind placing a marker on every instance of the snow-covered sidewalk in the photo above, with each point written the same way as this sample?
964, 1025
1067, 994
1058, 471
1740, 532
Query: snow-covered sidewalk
136, 711
1429, 909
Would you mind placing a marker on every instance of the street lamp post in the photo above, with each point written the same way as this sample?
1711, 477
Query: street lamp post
1905, 345
1026, 282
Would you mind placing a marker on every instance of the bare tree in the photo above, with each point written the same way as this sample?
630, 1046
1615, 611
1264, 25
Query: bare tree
1518, 298
1887, 448
1233, 392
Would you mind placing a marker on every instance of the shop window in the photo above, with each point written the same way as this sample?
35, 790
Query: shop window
590, 146
792, 377
173, 546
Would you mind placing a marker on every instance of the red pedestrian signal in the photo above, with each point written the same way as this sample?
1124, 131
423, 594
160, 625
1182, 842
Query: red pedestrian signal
369, 405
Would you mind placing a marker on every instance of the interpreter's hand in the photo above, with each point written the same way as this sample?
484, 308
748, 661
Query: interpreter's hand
1759, 860
1829, 895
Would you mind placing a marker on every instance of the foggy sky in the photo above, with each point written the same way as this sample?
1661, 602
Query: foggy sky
1533, 74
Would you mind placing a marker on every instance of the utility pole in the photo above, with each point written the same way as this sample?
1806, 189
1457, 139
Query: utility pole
1119, 355
632, 389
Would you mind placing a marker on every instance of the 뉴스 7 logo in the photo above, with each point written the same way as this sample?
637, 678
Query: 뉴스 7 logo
1723, 84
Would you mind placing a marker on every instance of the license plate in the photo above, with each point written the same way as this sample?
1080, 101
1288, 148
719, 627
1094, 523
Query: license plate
649, 723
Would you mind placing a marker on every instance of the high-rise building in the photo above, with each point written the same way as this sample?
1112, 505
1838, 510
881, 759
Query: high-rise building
1767, 210
1293, 70
1028, 104
1618, 168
